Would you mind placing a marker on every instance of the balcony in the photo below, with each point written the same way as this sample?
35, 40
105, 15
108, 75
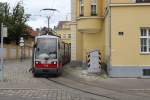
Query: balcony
89, 24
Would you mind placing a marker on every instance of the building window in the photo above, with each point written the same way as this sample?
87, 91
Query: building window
93, 7
81, 7
142, 1
145, 40
69, 36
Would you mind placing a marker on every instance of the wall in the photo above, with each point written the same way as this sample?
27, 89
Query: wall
90, 35
126, 49
73, 30
79, 46
93, 41
106, 28
64, 32
87, 8
12, 51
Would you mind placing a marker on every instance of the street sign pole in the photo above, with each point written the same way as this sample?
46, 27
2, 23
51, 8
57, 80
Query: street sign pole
3, 34
21, 58
1, 66
21, 45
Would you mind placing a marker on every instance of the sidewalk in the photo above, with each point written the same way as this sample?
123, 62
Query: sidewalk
17, 75
129, 85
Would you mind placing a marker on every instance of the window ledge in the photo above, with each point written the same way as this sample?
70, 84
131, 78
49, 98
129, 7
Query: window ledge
93, 14
128, 4
144, 53
89, 17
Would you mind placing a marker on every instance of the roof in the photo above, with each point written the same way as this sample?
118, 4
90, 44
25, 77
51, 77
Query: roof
61, 23
32, 32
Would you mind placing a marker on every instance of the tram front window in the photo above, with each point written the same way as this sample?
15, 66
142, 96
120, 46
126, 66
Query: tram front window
46, 49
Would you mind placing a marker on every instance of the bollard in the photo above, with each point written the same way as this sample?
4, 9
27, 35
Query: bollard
94, 61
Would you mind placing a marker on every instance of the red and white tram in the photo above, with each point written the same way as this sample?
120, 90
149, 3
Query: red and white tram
49, 55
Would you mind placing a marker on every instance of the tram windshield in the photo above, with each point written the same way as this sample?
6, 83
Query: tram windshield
46, 48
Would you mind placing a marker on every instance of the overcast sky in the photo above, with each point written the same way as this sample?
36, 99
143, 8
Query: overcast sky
38, 18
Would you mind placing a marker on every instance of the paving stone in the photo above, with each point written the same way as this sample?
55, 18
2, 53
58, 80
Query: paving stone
21, 83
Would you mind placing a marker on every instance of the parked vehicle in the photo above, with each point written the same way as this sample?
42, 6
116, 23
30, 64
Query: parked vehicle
49, 55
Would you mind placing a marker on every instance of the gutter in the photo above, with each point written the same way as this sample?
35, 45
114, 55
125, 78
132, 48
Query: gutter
109, 28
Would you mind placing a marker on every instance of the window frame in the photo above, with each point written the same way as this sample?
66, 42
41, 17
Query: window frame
69, 36
147, 37
81, 4
94, 11
142, 1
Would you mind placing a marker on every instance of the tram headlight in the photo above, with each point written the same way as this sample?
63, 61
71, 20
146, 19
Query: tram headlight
54, 62
37, 62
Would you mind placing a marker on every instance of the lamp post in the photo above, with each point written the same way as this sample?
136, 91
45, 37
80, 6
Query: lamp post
48, 17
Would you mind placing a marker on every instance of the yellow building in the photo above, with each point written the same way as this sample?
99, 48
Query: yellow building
120, 29
63, 30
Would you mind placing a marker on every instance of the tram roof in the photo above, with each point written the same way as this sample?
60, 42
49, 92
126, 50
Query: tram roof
47, 36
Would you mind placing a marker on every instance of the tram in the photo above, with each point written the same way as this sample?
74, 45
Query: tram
49, 54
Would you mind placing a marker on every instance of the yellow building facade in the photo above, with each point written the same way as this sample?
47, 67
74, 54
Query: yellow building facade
64, 31
120, 29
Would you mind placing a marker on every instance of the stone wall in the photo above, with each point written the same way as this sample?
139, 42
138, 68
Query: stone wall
12, 51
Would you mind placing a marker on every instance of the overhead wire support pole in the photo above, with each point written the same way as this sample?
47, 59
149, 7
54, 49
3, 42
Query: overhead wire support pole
48, 22
49, 9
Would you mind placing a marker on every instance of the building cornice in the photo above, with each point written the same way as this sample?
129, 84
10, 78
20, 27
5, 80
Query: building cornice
73, 23
124, 5
128, 4
89, 17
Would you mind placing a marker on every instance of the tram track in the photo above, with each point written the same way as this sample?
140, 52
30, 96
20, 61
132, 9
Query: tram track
70, 81
81, 90
68, 88
77, 84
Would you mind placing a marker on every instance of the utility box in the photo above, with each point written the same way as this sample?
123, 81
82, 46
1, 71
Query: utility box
94, 61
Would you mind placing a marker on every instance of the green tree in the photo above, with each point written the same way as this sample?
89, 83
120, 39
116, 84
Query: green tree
18, 22
4, 15
15, 21
4, 12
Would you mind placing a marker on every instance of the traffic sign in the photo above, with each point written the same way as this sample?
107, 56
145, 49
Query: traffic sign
21, 44
21, 40
4, 31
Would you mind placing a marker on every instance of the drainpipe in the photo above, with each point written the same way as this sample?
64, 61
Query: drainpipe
109, 28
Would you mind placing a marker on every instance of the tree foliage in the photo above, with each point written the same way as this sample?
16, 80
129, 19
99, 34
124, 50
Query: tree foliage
15, 21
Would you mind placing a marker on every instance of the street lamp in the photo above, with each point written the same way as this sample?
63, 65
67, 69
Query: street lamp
48, 17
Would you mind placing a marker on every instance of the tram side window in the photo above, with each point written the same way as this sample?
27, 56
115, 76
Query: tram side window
62, 48
59, 45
